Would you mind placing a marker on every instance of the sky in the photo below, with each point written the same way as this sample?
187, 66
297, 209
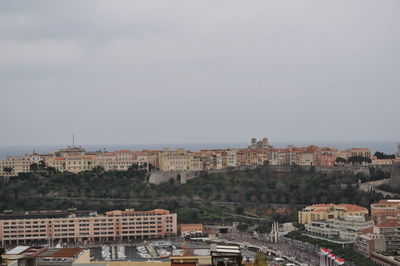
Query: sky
119, 72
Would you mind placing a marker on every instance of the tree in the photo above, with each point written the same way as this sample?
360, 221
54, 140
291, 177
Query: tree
358, 160
7, 169
239, 209
381, 155
260, 260
34, 167
42, 165
340, 160
242, 227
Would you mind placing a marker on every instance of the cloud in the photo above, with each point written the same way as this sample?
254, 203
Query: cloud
171, 71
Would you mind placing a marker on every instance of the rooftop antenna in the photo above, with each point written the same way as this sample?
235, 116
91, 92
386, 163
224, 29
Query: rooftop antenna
73, 139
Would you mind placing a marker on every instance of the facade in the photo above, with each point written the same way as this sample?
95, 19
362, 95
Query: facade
187, 229
364, 152
76, 159
385, 209
305, 158
12, 166
390, 232
179, 160
368, 242
43, 256
114, 225
339, 230
319, 212
183, 257
324, 158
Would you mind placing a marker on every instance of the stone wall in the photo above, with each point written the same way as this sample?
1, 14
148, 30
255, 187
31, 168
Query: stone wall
395, 177
281, 170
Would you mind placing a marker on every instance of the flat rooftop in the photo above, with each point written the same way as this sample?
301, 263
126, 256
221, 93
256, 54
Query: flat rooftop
60, 253
191, 252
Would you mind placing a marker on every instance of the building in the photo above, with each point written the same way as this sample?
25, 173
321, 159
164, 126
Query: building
385, 209
114, 225
398, 151
305, 158
343, 230
367, 242
363, 152
190, 257
258, 145
12, 166
179, 160
382, 260
326, 258
226, 255
318, 212
44, 256
390, 232
187, 229
376, 161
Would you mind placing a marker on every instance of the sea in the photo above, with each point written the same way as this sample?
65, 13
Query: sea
389, 147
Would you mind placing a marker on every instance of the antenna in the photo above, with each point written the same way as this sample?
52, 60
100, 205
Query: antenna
73, 139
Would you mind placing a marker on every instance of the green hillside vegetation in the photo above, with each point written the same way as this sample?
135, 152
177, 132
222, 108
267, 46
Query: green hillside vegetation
240, 195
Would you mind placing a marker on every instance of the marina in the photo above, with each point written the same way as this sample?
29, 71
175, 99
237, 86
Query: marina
154, 251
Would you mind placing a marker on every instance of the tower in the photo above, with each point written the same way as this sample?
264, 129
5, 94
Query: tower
265, 142
398, 151
253, 142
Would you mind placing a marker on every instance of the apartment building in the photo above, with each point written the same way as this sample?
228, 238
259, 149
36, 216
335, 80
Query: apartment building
179, 160
231, 159
305, 158
324, 158
319, 212
364, 152
114, 225
385, 209
12, 166
344, 230
367, 242
117, 160
389, 230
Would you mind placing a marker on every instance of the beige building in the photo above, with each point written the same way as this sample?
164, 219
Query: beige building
364, 152
319, 212
179, 160
117, 160
305, 158
385, 209
12, 166
343, 230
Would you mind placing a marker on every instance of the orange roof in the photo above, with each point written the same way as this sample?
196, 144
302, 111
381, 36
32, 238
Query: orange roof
367, 230
387, 224
348, 207
352, 208
391, 201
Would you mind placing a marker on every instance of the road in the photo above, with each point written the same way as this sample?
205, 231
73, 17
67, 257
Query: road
298, 252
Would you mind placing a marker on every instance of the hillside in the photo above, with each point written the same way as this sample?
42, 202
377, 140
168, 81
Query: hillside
249, 195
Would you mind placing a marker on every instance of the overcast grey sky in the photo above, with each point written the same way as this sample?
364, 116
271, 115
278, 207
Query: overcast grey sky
149, 71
